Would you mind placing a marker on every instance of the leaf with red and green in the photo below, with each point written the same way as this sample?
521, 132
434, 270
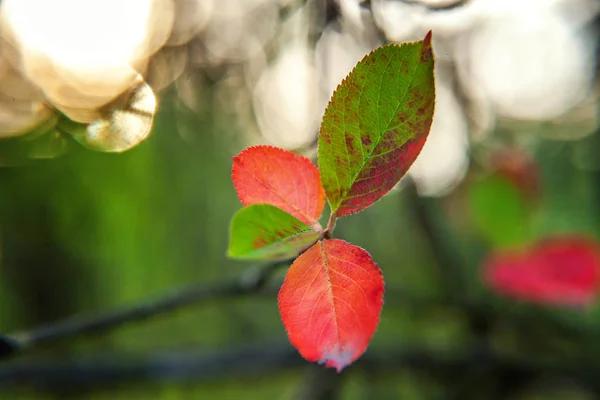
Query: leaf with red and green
376, 124
265, 232
330, 302
291, 182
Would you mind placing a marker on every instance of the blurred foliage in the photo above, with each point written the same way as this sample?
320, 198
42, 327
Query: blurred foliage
88, 231
499, 209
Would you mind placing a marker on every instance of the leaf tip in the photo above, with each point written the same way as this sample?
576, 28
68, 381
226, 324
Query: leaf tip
427, 39
338, 357
426, 50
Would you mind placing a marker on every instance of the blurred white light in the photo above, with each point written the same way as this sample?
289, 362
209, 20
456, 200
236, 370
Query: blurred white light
340, 47
18, 118
404, 21
285, 99
81, 34
443, 162
191, 17
21, 104
166, 66
530, 65
83, 54
398, 20
238, 30
126, 127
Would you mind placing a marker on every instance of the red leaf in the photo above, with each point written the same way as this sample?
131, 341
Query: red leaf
557, 271
270, 175
330, 302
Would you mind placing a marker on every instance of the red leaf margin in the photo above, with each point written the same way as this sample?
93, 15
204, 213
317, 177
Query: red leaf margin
270, 175
330, 302
560, 271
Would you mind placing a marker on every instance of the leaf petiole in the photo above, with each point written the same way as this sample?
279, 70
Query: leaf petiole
330, 226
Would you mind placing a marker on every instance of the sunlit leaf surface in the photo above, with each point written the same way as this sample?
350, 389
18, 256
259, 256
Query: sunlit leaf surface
330, 302
376, 124
266, 174
263, 231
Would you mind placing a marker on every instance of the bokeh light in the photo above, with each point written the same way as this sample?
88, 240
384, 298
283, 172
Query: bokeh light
501, 66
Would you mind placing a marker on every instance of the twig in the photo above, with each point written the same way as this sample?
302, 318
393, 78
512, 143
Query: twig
187, 365
251, 281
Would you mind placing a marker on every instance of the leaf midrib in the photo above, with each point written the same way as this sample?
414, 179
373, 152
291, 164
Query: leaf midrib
366, 159
287, 239
330, 289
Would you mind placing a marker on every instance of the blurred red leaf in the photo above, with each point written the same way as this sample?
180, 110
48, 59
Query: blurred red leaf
557, 271
330, 302
520, 169
270, 175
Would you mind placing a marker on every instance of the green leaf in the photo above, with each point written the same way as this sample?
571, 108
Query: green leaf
376, 124
265, 232
500, 212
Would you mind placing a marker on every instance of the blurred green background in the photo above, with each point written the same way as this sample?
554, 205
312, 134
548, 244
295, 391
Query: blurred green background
88, 232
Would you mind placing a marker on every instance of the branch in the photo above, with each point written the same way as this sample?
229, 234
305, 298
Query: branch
186, 365
250, 281
270, 358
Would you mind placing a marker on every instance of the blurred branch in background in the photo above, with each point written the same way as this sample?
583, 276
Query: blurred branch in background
251, 281
270, 358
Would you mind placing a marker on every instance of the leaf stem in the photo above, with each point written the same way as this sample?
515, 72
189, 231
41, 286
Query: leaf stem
327, 234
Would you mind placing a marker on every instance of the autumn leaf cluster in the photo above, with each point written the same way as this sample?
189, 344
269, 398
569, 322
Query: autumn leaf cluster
373, 129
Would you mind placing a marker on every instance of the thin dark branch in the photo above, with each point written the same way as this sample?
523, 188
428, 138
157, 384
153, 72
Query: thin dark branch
251, 281
187, 365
